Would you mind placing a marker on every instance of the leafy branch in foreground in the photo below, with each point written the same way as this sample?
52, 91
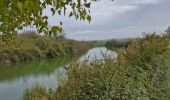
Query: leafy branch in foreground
16, 14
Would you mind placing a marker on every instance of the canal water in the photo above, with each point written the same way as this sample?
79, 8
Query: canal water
15, 78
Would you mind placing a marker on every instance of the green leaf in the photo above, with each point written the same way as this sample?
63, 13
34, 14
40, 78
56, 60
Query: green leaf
19, 5
53, 11
89, 18
87, 5
71, 14
61, 23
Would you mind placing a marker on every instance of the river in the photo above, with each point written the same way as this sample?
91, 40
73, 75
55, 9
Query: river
15, 78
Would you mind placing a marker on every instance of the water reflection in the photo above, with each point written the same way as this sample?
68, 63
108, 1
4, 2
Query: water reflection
98, 54
15, 78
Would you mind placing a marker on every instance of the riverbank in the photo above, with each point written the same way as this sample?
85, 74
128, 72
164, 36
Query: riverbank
138, 73
31, 46
48, 73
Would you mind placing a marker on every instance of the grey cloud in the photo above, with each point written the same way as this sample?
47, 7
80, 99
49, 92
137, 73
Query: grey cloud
121, 18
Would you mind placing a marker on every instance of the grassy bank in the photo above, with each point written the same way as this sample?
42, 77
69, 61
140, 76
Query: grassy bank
139, 73
30, 46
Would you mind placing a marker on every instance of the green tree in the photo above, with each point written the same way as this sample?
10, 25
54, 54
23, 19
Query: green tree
16, 14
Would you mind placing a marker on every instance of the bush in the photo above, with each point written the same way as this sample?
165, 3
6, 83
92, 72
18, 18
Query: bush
142, 52
87, 81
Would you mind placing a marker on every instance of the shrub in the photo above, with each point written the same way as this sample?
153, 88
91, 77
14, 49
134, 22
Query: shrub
87, 81
142, 52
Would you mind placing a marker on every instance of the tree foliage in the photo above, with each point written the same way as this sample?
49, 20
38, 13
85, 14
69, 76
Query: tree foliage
16, 14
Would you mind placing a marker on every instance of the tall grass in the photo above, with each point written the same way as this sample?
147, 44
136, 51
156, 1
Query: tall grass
138, 74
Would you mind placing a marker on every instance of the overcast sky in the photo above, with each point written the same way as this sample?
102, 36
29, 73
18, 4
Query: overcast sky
119, 19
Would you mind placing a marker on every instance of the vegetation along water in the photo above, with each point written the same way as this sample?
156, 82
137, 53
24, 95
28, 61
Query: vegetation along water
46, 65
31, 46
139, 72
15, 78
